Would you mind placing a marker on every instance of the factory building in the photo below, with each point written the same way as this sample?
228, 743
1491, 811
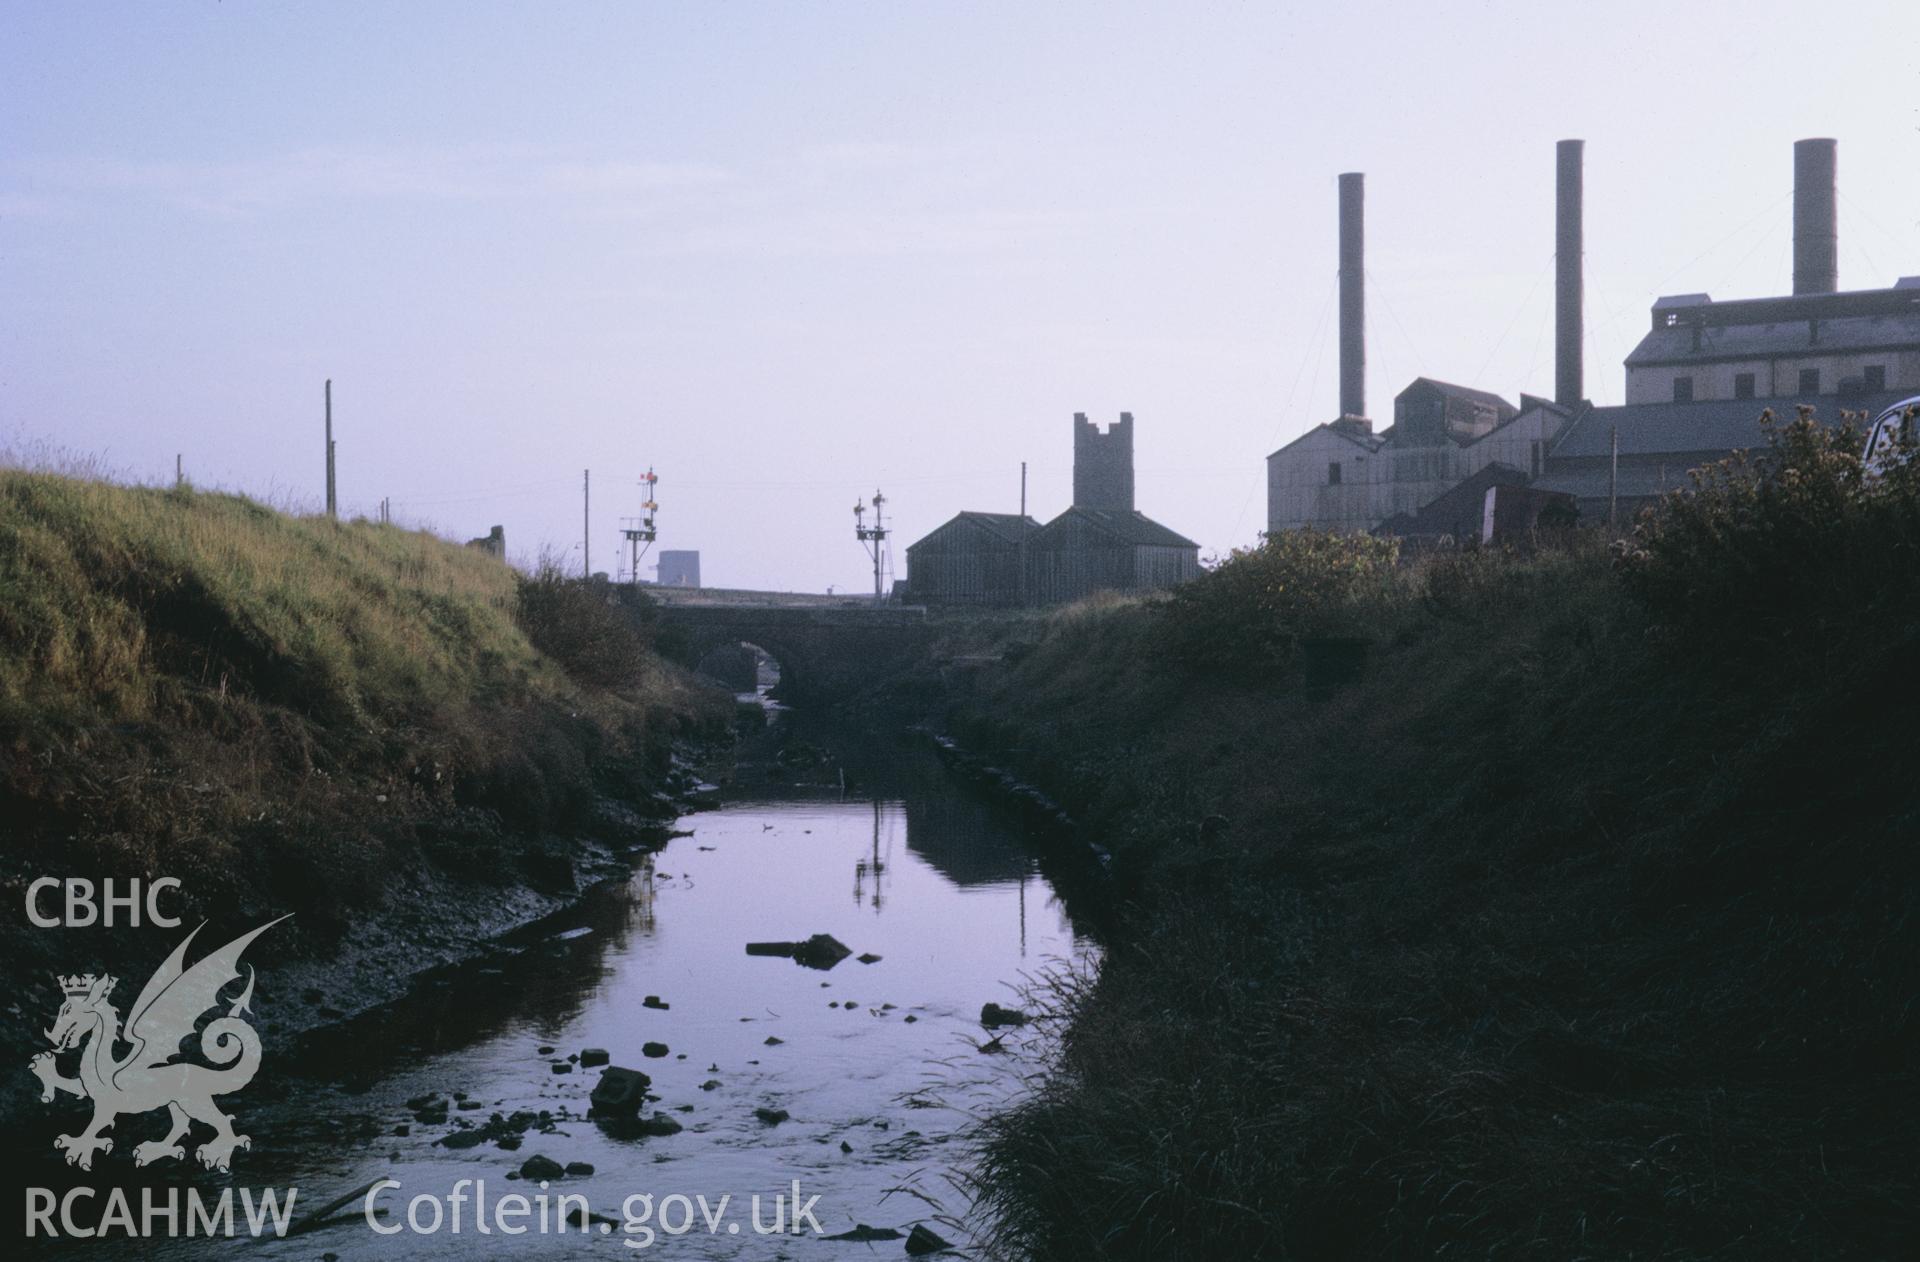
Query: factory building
1695, 385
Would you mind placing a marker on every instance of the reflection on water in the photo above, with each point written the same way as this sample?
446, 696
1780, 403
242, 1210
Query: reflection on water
875, 1065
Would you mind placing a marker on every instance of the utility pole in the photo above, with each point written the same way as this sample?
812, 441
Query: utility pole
1613, 481
586, 523
873, 538
179, 474
333, 506
1023, 601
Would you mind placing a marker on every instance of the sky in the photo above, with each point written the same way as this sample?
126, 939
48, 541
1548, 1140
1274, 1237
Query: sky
788, 254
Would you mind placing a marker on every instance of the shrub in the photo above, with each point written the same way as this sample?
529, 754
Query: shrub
577, 624
1254, 607
1788, 547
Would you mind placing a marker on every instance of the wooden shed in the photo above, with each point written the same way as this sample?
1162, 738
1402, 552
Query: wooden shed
1086, 550
974, 559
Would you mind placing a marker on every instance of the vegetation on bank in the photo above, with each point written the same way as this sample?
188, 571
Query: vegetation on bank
285, 710
1580, 924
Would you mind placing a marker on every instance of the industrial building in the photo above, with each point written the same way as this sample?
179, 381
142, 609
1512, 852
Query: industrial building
679, 568
1696, 386
1100, 543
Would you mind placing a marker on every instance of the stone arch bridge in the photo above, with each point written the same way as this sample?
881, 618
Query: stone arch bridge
827, 647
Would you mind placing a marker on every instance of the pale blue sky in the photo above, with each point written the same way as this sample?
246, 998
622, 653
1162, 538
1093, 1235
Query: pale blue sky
786, 253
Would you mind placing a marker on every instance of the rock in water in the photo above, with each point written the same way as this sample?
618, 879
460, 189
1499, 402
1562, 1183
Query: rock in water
654, 1001
821, 951
772, 1117
862, 1232
619, 1093
921, 1241
993, 1016
538, 1167
654, 1051
591, 1056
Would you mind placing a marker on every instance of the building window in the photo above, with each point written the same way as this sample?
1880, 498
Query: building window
1743, 385
1876, 376
1683, 389
1333, 473
1809, 381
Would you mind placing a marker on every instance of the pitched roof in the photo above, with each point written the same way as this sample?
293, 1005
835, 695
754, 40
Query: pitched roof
1686, 344
1714, 425
1007, 526
1487, 397
1135, 527
1365, 442
1004, 527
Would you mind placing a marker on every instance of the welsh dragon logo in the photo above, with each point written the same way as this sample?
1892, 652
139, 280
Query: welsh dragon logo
151, 1076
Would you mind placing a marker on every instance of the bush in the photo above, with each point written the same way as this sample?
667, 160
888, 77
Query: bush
1256, 606
1790, 547
577, 624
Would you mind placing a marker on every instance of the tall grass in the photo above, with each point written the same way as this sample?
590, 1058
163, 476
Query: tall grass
112, 599
191, 678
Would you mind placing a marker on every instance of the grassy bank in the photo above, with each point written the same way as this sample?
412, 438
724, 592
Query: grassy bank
1581, 923
286, 712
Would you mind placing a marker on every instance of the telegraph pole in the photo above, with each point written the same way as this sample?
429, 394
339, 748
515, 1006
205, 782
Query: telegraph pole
586, 523
333, 506
1613, 480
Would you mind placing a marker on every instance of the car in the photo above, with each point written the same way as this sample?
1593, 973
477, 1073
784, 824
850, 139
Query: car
1892, 435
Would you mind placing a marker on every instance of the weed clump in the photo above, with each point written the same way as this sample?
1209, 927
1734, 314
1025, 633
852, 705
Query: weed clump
1254, 608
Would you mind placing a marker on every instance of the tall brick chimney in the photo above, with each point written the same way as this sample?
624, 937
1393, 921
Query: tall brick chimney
1353, 294
1569, 371
1816, 239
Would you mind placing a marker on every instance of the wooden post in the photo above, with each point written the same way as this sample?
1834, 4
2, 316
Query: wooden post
333, 507
586, 523
179, 474
1613, 482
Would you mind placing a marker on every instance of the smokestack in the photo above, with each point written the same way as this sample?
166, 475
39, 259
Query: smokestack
1569, 375
1816, 240
1353, 295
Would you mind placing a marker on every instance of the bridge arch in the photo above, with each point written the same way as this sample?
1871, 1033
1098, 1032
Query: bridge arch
824, 652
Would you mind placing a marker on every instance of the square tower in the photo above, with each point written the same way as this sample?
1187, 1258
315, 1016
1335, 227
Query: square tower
1103, 464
